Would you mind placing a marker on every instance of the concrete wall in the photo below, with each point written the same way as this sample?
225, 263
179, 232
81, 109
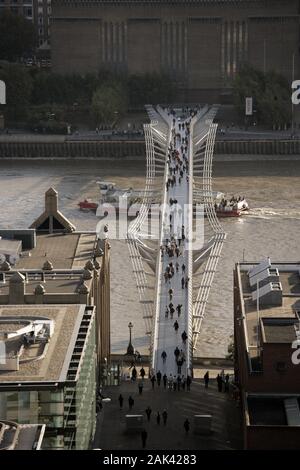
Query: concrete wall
136, 149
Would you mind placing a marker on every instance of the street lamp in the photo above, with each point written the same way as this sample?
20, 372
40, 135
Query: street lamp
130, 348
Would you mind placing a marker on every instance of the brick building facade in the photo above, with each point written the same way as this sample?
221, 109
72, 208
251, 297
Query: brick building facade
201, 43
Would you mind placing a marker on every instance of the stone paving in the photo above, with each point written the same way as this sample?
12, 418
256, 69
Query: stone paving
226, 426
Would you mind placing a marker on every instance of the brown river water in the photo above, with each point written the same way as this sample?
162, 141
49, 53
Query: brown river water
272, 228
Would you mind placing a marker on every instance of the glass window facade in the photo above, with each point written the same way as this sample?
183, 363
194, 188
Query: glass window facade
68, 412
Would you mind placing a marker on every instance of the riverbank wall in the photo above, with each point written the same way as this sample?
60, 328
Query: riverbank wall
227, 150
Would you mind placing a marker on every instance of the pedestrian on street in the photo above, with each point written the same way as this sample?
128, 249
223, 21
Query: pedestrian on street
153, 379
206, 379
176, 326
219, 383
170, 294
142, 373
144, 436
158, 377
158, 418
182, 282
130, 402
183, 268
188, 383
170, 382
178, 382
121, 399
140, 387
165, 417
183, 381
165, 380
133, 374
226, 383
184, 337
166, 312
186, 426
148, 412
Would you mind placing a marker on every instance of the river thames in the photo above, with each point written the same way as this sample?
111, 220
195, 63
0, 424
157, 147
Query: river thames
272, 228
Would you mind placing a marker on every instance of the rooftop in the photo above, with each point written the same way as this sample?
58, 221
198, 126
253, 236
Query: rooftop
57, 263
14, 436
279, 330
54, 363
287, 308
64, 251
273, 410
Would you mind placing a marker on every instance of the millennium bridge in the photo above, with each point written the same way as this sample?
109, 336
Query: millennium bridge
175, 246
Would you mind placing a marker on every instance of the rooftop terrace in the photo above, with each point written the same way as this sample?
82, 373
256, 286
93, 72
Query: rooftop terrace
54, 365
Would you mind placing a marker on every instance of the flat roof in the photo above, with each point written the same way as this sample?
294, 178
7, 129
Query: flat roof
15, 436
290, 279
279, 330
64, 251
54, 365
270, 410
10, 246
54, 283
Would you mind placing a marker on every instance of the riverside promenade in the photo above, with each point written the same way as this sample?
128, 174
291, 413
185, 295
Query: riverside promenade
180, 405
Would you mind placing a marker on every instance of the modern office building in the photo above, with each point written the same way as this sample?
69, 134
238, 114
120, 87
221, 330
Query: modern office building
200, 43
57, 265
266, 338
48, 371
38, 12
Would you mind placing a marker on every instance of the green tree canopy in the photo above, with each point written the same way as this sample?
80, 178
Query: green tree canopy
18, 89
150, 88
270, 92
109, 102
17, 36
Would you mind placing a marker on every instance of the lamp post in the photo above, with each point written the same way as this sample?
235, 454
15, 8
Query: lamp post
130, 348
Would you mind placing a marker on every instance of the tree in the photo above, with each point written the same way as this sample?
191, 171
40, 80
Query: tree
150, 88
270, 93
17, 36
109, 102
18, 89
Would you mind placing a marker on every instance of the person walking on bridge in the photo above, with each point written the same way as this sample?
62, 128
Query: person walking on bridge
164, 356
184, 337
176, 326
178, 308
171, 294
176, 353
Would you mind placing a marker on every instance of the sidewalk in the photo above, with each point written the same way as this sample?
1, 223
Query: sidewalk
111, 435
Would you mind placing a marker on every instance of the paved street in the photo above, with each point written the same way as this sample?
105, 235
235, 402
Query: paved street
111, 433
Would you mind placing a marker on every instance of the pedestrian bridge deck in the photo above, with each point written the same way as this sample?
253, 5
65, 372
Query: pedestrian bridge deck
166, 338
